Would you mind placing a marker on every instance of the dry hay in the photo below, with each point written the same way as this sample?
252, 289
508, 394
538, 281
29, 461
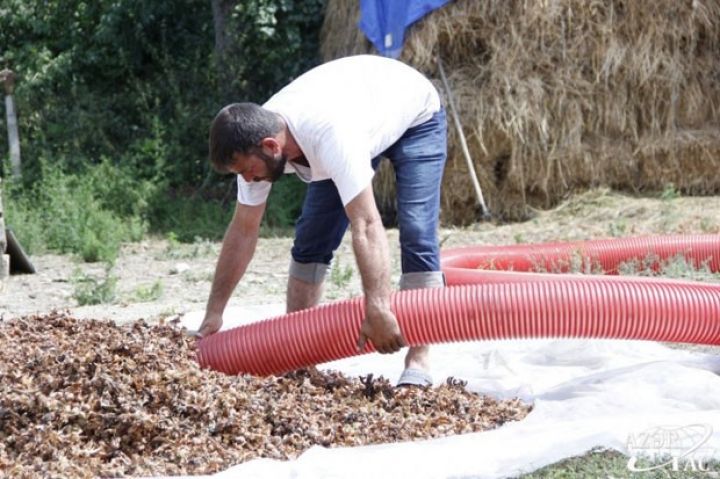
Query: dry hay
89, 398
558, 96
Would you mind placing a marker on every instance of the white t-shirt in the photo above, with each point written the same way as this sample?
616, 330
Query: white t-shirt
343, 114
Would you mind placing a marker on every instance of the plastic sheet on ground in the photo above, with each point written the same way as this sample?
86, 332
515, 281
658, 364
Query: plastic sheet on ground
586, 393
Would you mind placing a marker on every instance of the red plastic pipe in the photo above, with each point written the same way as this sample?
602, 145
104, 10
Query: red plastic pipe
606, 256
504, 305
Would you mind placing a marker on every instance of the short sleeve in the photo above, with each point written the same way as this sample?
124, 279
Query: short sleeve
345, 157
252, 194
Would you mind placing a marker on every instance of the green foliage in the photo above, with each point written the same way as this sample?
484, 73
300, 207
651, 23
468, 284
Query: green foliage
669, 193
134, 85
173, 248
90, 290
277, 39
677, 266
188, 218
75, 213
340, 276
177, 250
192, 219
709, 225
618, 228
100, 78
146, 293
599, 463
285, 203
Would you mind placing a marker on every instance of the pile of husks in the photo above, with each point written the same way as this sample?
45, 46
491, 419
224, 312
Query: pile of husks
89, 398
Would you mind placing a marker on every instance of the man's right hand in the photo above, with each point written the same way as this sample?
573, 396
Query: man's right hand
380, 326
235, 255
210, 325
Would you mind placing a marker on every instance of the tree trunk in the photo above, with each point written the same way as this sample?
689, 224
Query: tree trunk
221, 14
13, 137
7, 77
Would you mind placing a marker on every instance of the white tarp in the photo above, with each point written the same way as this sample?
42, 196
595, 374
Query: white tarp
586, 394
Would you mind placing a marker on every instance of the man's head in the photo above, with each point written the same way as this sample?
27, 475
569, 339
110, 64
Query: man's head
243, 141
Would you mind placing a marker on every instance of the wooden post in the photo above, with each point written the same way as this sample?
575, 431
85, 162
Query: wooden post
484, 211
4, 259
8, 79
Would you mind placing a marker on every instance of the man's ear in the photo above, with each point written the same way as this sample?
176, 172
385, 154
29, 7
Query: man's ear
271, 144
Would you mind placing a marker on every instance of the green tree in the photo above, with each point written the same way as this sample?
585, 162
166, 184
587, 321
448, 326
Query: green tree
135, 84
103, 78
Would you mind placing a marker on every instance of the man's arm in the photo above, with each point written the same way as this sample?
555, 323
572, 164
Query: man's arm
237, 250
373, 258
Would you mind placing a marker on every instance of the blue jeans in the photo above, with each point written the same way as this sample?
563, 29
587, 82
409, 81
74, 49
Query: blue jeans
418, 159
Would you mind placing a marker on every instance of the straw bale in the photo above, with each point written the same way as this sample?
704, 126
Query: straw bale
557, 96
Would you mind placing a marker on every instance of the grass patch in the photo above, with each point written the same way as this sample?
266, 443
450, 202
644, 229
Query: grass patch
614, 465
175, 249
90, 290
340, 275
709, 225
147, 293
678, 267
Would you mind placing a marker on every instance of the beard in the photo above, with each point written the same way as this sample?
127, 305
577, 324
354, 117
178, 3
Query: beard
275, 166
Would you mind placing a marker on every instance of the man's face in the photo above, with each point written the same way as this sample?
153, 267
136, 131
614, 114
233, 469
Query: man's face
275, 165
259, 166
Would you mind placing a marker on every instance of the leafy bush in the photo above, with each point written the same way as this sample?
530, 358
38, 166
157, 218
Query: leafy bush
75, 213
285, 203
106, 86
190, 218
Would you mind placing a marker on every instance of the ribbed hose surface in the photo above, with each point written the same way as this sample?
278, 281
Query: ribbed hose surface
506, 305
588, 256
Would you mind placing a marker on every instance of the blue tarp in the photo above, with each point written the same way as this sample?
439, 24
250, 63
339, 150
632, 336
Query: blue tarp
384, 21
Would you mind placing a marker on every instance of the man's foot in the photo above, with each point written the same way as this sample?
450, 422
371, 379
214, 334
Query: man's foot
415, 377
417, 365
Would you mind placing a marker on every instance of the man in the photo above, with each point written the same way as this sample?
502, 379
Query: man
330, 126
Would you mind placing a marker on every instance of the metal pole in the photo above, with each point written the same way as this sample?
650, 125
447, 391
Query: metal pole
463, 144
8, 79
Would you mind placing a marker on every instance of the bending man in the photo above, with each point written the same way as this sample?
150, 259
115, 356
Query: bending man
330, 126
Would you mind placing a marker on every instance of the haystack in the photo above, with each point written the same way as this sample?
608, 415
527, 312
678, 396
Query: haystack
557, 96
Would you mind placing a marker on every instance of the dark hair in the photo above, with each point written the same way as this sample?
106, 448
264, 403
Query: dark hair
239, 127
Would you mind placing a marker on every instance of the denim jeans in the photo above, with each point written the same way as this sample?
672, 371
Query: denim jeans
418, 159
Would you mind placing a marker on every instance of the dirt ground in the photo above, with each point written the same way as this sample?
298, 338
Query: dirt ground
160, 279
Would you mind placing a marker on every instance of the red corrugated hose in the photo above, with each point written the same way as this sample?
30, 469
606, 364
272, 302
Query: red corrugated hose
492, 294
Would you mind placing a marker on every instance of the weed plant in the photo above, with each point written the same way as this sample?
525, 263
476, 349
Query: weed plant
148, 293
340, 275
88, 214
90, 290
